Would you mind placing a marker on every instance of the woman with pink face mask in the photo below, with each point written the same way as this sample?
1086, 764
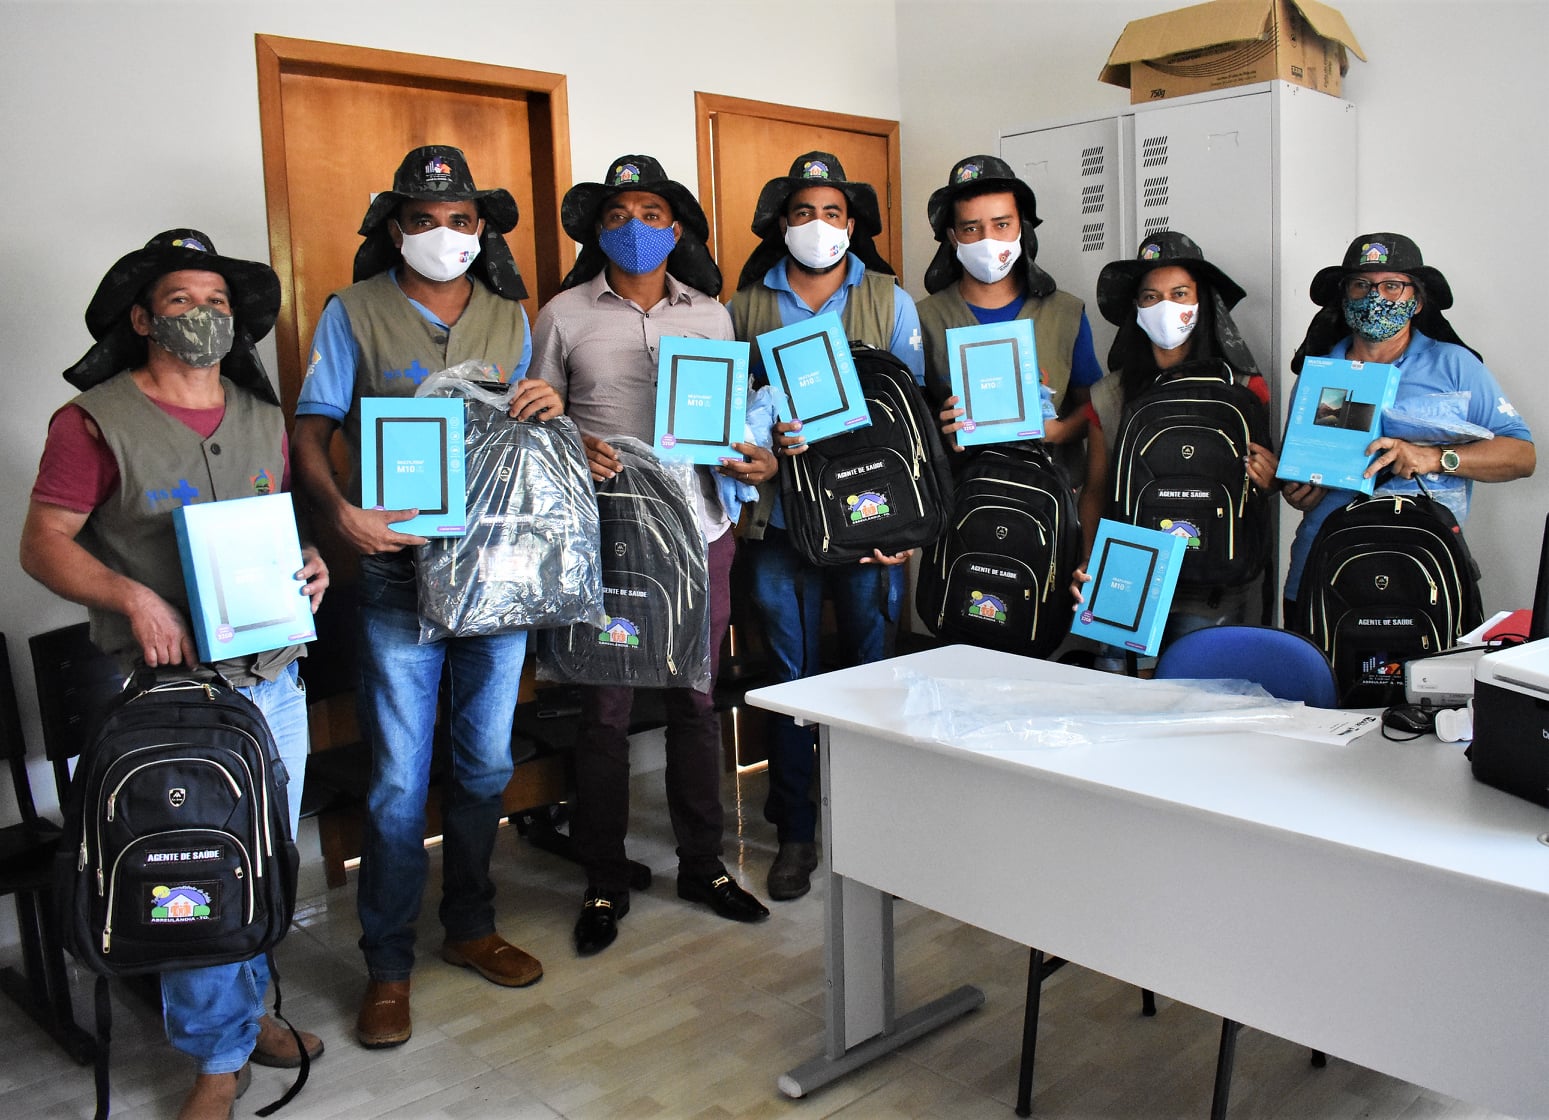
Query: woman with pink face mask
1173, 311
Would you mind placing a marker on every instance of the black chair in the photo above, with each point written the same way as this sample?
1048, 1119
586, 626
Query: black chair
27, 850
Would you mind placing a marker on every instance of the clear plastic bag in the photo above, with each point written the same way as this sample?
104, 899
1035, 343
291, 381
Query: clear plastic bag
1014, 714
1433, 419
530, 555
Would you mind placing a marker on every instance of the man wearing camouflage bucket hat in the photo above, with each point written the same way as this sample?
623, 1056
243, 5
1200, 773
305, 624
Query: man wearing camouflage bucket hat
986, 271
643, 273
435, 286
817, 255
176, 409
1383, 303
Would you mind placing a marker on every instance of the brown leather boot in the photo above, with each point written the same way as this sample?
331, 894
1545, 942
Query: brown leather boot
276, 1046
495, 959
214, 1095
384, 1015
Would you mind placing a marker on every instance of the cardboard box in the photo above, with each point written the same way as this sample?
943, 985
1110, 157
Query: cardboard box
1228, 43
240, 559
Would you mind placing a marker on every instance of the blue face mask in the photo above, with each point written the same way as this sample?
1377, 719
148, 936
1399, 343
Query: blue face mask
636, 247
1376, 319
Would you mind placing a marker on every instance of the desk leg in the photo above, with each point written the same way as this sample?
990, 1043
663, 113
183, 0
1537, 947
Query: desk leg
860, 1023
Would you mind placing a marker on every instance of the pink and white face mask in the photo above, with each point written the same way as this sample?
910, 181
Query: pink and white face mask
1168, 325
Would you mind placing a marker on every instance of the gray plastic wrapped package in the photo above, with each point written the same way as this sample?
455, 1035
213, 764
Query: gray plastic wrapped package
529, 557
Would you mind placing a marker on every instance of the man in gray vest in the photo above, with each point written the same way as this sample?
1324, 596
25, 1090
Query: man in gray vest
985, 271
435, 286
176, 409
817, 255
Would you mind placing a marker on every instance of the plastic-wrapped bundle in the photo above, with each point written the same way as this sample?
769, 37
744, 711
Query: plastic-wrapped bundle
655, 585
530, 555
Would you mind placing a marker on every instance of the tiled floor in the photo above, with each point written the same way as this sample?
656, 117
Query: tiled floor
689, 1016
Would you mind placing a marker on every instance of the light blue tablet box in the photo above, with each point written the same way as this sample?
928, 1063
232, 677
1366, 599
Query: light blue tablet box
240, 559
994, 372
411, 457
810, 368
1336, 413
701, 399
1134, 573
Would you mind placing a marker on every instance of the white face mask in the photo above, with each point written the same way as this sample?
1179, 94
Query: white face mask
817, 244
442, 253
988, 260
1167, 324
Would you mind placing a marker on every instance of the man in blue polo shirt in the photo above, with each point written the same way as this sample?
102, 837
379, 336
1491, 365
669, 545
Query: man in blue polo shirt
435, 286
817, 254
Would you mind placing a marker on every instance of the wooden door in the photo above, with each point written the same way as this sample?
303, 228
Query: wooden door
743, 144
337, 120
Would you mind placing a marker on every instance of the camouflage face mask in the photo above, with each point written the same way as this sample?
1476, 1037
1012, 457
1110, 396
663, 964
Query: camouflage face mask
199, 337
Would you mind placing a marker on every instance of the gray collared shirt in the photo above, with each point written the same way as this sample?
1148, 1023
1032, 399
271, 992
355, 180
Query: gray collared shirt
599, 351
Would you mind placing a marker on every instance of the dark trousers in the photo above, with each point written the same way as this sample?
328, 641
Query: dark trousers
693, 761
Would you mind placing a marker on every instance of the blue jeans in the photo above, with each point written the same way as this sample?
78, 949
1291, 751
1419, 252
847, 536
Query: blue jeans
789, 594
212, 1013
400, 684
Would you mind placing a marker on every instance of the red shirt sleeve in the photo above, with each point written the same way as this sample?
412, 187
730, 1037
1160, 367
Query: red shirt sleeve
1259, 388
77, 470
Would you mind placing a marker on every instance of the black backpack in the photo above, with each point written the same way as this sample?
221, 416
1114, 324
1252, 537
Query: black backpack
1388, 579
884, 486
1179, 466
655, 587
176, 851
1000, 575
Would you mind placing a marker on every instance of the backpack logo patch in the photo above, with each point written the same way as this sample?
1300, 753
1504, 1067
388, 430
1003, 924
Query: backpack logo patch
1180, 528
989, 607
868, 505
176, 796
619, 631
186, 902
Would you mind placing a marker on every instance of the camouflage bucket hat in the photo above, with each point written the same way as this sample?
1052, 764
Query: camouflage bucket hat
816, 169
690, 261
439, 173
255, 303
1381, 252
974, 175
1118, 281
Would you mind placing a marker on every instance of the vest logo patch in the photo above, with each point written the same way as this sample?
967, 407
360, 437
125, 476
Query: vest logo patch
868, 505
263, 482
415, 373
989, 607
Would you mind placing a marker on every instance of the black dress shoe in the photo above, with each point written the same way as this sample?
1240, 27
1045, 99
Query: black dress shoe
723, 894
598, 924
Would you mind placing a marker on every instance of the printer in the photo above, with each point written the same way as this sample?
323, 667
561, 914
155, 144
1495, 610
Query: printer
1511, 720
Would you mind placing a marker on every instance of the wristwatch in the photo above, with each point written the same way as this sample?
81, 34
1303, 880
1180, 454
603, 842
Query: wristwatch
1449, 461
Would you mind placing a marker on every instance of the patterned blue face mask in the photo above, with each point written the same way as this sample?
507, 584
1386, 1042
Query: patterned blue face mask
1376, 319
636, 247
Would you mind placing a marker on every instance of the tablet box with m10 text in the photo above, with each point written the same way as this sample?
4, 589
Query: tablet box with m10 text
701, 399
411, 457
813, 375
1134, 573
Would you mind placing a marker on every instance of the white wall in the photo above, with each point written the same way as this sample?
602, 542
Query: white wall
128, 117
1452, 152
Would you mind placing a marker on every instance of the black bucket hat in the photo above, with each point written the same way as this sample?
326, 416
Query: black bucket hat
1376, 252
439, 173
255, 302
975, 175
813, 169
1118, 282
582, 205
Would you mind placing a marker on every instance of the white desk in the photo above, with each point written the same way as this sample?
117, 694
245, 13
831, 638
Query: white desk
1371, 900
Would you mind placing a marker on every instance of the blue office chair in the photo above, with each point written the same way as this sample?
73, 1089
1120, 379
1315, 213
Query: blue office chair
1288, 667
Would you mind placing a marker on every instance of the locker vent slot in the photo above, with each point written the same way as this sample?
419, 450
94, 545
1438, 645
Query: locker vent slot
1153, 151
1093, 237
1153, 191
1092, 161
1156, 225
1092, 198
